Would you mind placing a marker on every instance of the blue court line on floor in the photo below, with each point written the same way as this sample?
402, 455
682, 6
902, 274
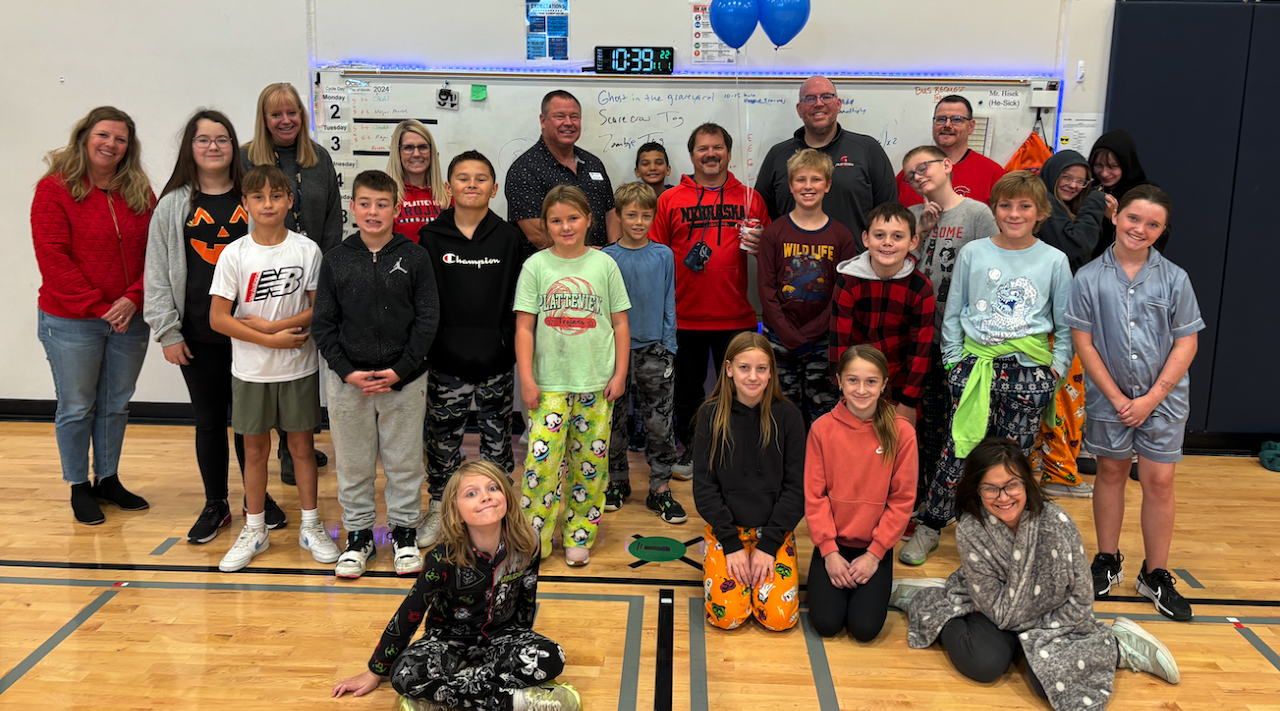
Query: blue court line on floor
1268, 653
1187, 577
164, 547
697, 656
821, 670
50, 644
628, 688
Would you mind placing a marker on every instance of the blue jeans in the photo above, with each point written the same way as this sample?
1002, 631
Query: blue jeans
95, 371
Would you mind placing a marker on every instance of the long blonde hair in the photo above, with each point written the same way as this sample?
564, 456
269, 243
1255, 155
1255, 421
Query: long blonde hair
722, 397
72, 162
885, 420
395, 167
261, 151
522, 543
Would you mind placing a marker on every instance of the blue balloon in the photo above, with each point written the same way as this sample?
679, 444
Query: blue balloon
782, 20
734, 21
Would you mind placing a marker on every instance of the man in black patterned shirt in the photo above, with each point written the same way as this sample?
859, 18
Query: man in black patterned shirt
556, 160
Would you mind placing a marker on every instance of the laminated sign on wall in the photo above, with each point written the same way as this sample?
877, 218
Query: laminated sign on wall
546, 29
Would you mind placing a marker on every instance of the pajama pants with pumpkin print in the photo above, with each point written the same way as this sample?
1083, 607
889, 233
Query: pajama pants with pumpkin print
776, 604
568, 460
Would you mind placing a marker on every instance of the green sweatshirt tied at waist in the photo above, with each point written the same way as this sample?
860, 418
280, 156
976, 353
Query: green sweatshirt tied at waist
969, 425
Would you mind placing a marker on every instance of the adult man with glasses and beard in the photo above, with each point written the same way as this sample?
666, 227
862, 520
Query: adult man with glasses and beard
863, 176
972, 174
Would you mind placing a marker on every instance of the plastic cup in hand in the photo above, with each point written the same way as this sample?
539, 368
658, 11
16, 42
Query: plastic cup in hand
745, 227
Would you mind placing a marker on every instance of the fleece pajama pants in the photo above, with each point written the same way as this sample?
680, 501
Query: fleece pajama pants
568, 459
475, 673
776, 604
1057, 447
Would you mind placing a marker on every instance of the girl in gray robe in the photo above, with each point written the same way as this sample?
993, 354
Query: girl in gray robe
1024, 586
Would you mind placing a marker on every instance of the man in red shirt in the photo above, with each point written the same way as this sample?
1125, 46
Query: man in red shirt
699, 220
972, 173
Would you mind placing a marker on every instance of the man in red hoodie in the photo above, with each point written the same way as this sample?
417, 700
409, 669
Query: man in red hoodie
699, 220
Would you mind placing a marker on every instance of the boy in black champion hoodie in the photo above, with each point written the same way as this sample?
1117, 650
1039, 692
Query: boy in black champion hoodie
477, 257
374, 320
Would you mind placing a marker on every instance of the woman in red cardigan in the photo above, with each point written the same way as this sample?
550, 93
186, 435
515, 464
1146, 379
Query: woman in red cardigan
89, 222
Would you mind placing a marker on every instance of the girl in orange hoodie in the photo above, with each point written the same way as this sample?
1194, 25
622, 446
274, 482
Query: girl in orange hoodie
860, 472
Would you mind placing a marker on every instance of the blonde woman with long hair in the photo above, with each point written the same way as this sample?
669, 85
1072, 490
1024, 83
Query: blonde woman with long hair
280, 138
748, 485
415, 166
476, 598
89, 223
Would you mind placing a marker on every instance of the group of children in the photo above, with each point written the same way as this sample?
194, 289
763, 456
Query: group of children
954, 311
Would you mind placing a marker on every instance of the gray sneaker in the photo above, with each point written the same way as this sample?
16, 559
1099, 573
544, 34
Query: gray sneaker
1141, 651
548, 697
429, 527
906, 588
917, 550
1066, 491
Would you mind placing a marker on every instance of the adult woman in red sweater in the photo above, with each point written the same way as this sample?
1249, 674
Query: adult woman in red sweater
415, 166
859, 486
89, 222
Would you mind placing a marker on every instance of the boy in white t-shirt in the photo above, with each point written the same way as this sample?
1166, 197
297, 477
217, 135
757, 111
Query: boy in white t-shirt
270, 276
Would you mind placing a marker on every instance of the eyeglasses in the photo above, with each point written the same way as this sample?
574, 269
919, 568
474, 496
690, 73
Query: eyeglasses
1012, 489
1077, 183
919, 171
424, 148
955, 120
204, 141
810, 99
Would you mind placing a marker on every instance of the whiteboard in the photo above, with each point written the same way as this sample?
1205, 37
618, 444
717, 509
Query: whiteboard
357, 110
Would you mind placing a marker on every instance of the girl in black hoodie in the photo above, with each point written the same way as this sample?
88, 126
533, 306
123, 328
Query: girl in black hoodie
748, 485
1114, 159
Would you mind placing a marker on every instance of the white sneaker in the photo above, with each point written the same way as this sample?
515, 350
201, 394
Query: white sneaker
548, 697
904, 589
1141, 651
429, 529
407, 557
917, 550
355, 559
1066, 491
313, 537
249, 544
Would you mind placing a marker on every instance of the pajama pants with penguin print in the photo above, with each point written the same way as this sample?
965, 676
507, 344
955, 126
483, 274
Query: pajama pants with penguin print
568, 459
729, 603
1018, 397
451, 399
476, 673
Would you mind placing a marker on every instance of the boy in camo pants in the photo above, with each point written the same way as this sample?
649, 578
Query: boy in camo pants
649, 272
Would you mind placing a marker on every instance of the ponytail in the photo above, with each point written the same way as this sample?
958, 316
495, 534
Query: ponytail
885, 420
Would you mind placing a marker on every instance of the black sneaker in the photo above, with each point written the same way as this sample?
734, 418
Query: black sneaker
273, 514
636, 441
84, 506
1133, 471
1157, 586
665, 505
617, 494
112, 491
1106, 572
322, 459
215, 517
683, 468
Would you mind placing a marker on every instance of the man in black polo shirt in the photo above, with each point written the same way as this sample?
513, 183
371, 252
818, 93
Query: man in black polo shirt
555, 160
863, 176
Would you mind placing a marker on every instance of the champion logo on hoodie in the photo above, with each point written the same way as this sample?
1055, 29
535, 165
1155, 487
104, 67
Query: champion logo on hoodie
707, 216
454, 260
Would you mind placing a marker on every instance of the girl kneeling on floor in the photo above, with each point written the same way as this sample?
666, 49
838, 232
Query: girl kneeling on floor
1023, 586
477, 592
860, 475
748, 485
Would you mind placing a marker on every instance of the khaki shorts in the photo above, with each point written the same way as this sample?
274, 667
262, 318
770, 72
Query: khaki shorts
256, 408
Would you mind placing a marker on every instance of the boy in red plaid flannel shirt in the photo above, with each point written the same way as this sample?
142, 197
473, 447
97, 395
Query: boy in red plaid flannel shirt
882, 299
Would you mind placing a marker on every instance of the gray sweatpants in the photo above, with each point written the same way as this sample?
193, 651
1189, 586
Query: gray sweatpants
363, 427
650, 380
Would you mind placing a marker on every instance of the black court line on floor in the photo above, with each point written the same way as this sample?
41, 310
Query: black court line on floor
630, 672
587, 579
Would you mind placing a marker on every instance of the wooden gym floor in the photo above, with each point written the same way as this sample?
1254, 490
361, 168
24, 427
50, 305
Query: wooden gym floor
127, 615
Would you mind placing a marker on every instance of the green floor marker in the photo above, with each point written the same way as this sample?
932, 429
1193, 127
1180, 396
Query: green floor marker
656, 549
